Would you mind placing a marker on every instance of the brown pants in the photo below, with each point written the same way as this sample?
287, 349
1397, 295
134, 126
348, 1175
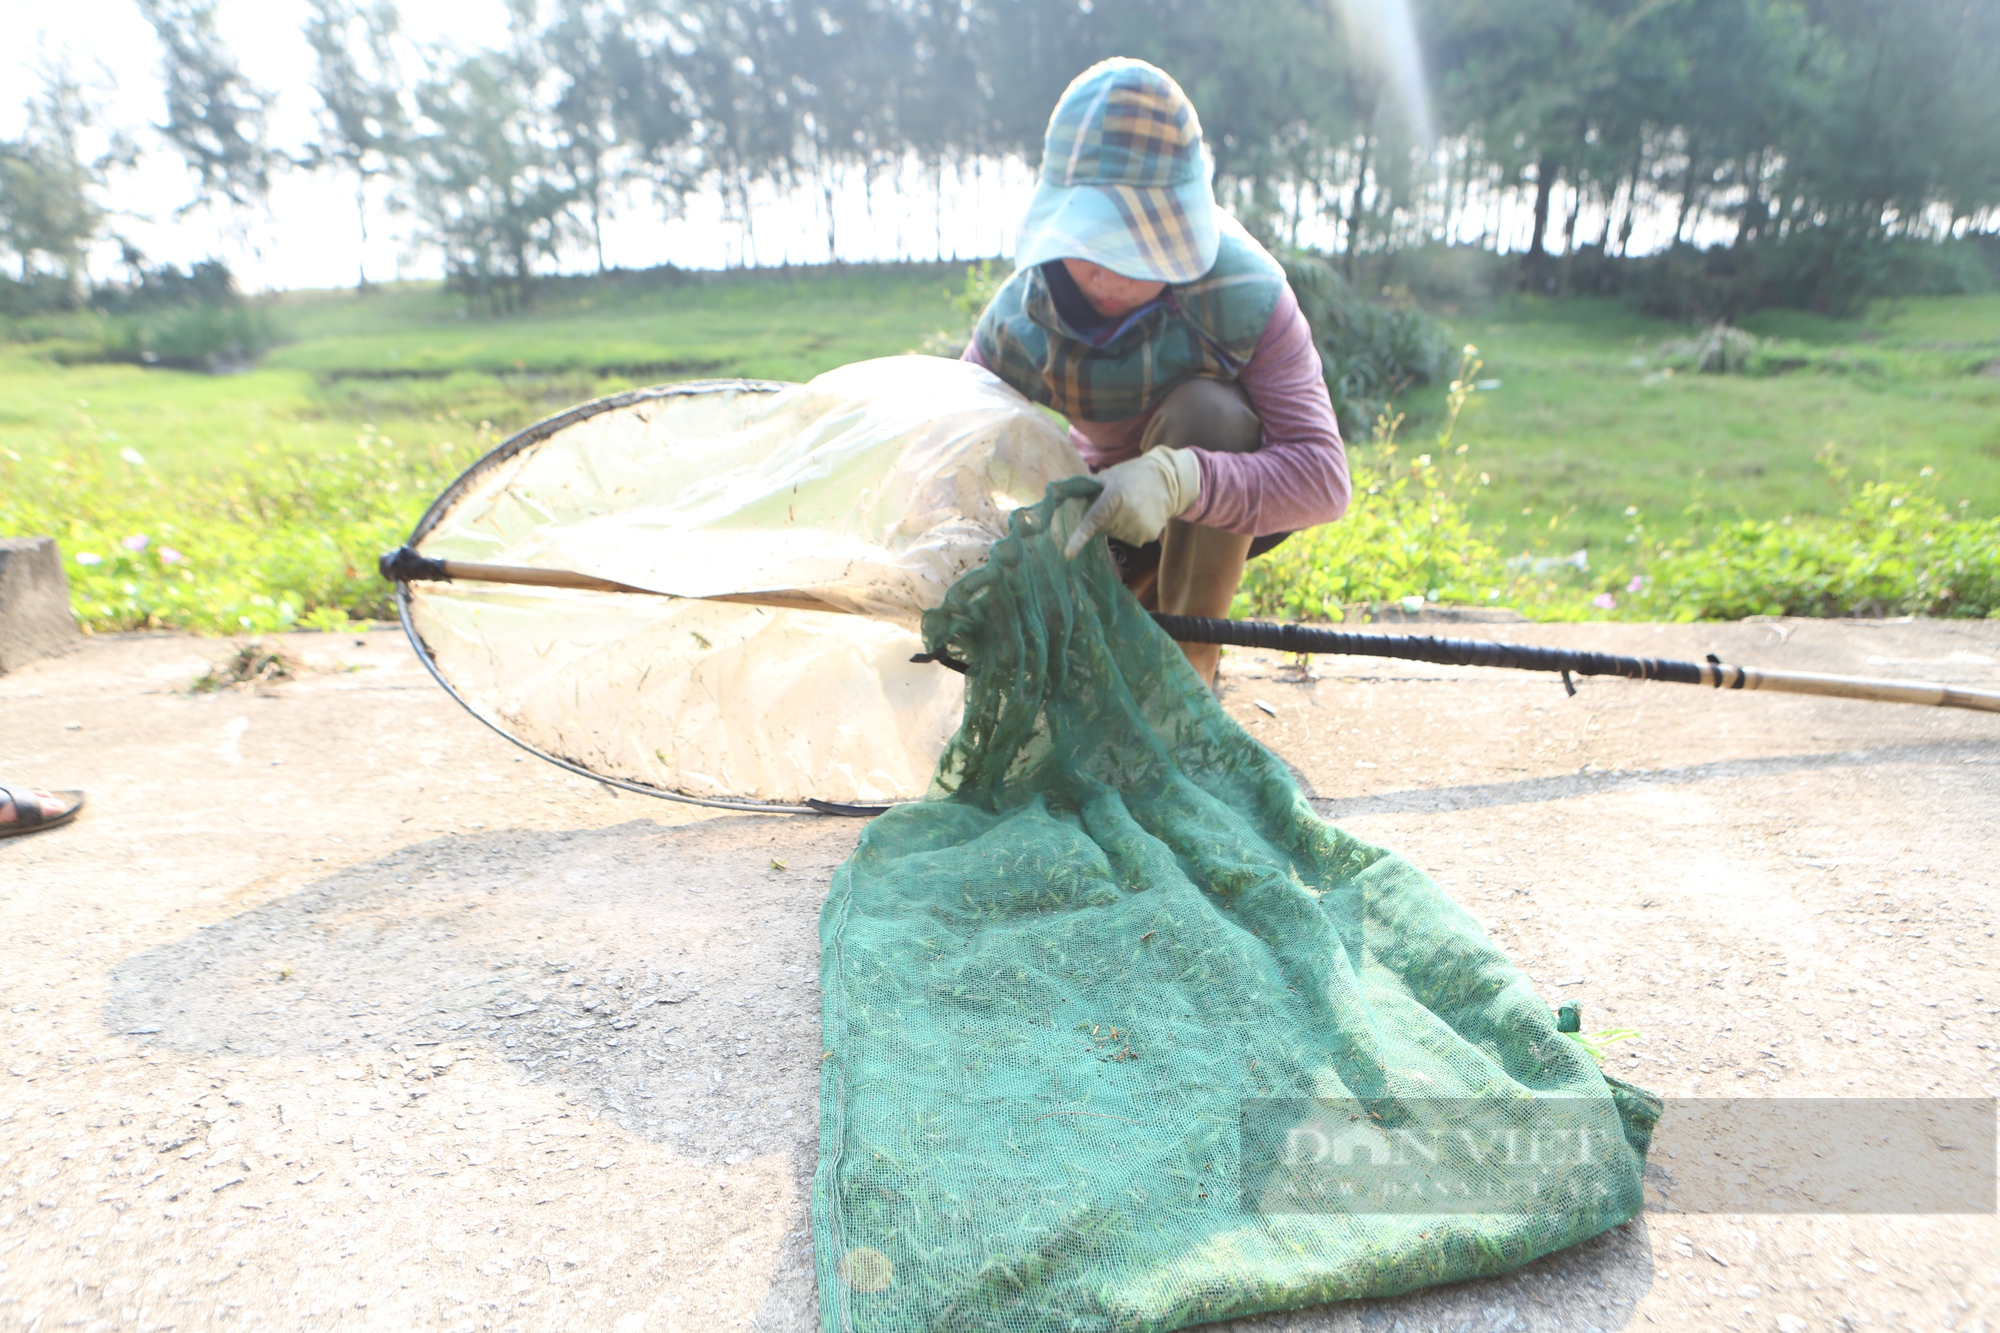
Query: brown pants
1192, 570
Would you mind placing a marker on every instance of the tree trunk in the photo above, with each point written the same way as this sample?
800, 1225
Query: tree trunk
826, 193
1751, 221
1545, 180
1354, 219
597, 211
361, 211
1632, 198
1687, 191
937, 198
1569, 239
1535, 262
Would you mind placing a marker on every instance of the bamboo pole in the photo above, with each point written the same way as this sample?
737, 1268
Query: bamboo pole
404, 565
1727, 677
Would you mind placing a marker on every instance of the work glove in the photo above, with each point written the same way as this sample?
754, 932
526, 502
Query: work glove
1139, 496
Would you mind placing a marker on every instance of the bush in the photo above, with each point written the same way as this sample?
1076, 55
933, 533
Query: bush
37, 294
1440, 274
982, 283
205, 282
1691, 285
189, 319
193, 337
1720, 350
1372, 353
1893, 550
1965, 267
1589, 271
1816, 269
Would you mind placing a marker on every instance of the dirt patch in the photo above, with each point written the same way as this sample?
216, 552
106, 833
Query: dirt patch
295, 1029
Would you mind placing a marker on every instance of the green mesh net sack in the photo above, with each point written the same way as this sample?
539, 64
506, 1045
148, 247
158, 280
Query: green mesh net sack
1121, 1035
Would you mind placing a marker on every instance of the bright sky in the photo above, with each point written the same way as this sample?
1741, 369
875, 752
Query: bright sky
310, 237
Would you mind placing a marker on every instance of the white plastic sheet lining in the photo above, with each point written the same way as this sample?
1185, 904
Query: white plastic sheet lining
871, 489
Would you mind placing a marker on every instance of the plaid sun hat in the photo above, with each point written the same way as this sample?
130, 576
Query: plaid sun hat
1124, 179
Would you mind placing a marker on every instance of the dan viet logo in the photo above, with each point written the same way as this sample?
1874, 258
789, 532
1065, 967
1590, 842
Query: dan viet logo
1529, 1153
1328, 1155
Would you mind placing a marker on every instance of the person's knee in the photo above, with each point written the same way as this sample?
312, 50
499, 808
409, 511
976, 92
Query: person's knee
1205, 413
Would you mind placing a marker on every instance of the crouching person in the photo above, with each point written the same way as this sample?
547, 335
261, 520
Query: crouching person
1168, 337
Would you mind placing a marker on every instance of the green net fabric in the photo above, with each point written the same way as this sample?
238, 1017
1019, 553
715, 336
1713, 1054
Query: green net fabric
1121, 1035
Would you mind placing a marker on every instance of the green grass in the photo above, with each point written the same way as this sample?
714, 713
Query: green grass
787, 325
279, 484
415, 363
1584, 423
274, 489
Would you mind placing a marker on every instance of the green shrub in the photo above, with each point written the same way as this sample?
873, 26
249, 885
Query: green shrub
1439, 274
163, 286
192, 337
209, 338
1964, 267
1690, 285
187, 320
36, 294
1406, 534
1372, 353
289, 538
982, 283
1822, 269
1892, 550
1718, 350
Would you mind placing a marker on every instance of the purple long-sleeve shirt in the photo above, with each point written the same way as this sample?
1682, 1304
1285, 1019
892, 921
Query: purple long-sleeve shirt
1297, 478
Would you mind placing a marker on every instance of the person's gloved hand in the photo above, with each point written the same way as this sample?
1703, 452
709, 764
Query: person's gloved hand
1140, 495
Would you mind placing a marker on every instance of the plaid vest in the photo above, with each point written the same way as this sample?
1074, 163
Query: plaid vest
1206, 327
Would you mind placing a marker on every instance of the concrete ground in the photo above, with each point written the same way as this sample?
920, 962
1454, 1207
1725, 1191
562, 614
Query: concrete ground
335, 1011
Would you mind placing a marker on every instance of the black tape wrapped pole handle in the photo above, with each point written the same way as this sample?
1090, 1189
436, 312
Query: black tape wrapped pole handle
1425, 648
1564, 661
1445, 652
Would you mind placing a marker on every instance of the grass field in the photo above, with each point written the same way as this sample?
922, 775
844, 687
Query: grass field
412, 363
1589, 419
1585, 422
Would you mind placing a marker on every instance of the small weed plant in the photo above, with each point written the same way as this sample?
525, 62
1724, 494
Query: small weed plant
1599, 1043
257, 663
1406, 537
982, 283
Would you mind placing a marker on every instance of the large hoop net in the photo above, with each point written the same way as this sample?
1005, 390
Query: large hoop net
871, 489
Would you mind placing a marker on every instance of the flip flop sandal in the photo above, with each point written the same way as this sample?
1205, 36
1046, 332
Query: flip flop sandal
28, 816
